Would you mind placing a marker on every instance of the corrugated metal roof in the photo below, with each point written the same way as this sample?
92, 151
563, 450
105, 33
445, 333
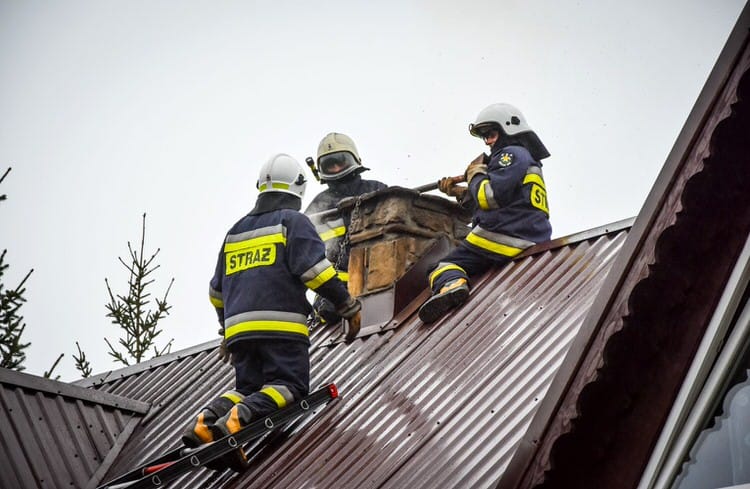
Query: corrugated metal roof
60, 435
443, 405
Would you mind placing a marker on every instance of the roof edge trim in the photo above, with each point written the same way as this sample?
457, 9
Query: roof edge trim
33, 382
578, 237
113, 454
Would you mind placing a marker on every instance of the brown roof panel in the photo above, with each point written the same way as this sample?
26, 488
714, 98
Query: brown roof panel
61, 435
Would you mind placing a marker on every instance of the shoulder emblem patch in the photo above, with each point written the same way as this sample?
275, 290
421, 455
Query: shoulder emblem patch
505, 159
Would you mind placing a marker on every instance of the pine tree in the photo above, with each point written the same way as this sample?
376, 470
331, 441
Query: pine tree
11, 322
12, 354
82, 363
130, 311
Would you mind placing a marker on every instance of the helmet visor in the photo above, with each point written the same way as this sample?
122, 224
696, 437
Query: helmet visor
335, 163
483, 131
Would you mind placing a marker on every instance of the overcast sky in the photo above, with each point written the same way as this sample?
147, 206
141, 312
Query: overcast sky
112, 109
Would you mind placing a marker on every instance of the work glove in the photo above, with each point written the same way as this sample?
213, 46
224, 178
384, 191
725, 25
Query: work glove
351, 311
224, 354
449, 188
325, 310
477, 166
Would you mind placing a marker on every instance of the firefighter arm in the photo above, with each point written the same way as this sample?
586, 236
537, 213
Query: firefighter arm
306, 258
495, 189
214, 288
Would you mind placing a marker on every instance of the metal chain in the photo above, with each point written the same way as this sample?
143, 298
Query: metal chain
344, 243
315, 320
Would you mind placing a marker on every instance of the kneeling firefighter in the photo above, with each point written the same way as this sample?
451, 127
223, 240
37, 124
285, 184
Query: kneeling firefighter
267, 261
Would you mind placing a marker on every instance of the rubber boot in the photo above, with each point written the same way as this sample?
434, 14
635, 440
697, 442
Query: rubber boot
452, 294
201, 430
232, 422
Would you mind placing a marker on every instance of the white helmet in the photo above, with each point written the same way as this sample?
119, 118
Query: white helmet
509, 118
337, 157
282, 173
512, 124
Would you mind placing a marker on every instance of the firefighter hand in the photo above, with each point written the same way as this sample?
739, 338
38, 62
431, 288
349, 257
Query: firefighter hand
449, 188
351, 312
477, 166
348, 309
352, 326
224, 354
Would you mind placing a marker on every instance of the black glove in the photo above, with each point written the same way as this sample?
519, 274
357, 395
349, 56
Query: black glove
224, 354
326, 310
349, 308
351, 312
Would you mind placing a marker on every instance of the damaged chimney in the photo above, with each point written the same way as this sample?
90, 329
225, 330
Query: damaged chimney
396, 236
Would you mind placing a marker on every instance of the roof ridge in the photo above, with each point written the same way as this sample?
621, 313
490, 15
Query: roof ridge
114, 375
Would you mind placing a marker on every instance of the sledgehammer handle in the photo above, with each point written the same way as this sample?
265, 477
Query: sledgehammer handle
432, 186
422, 188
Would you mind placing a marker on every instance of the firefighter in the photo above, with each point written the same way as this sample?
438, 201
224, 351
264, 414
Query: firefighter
267, 261
339, 166
508, 197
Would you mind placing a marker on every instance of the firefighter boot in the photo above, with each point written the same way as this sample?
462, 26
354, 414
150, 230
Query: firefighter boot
452, 294
199, 431
235, 420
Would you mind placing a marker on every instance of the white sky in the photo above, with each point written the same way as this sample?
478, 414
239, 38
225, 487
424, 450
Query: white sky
112, 109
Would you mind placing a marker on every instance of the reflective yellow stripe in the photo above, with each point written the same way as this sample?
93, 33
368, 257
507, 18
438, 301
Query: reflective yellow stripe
271, 326
275, 395
482, 195
217, 303
322, 278
538, 197
333, 233
533, 178
498, 248
284, 186
444, 269
261, 240
232, 397
343, 276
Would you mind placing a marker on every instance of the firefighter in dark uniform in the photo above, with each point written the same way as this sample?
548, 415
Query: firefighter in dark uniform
508, 197
339, 166
268, 259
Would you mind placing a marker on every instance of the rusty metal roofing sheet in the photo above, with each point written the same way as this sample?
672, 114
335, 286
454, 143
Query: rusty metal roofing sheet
61, 435
443, 405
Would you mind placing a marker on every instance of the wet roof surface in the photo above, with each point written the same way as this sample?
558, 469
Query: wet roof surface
421, 406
